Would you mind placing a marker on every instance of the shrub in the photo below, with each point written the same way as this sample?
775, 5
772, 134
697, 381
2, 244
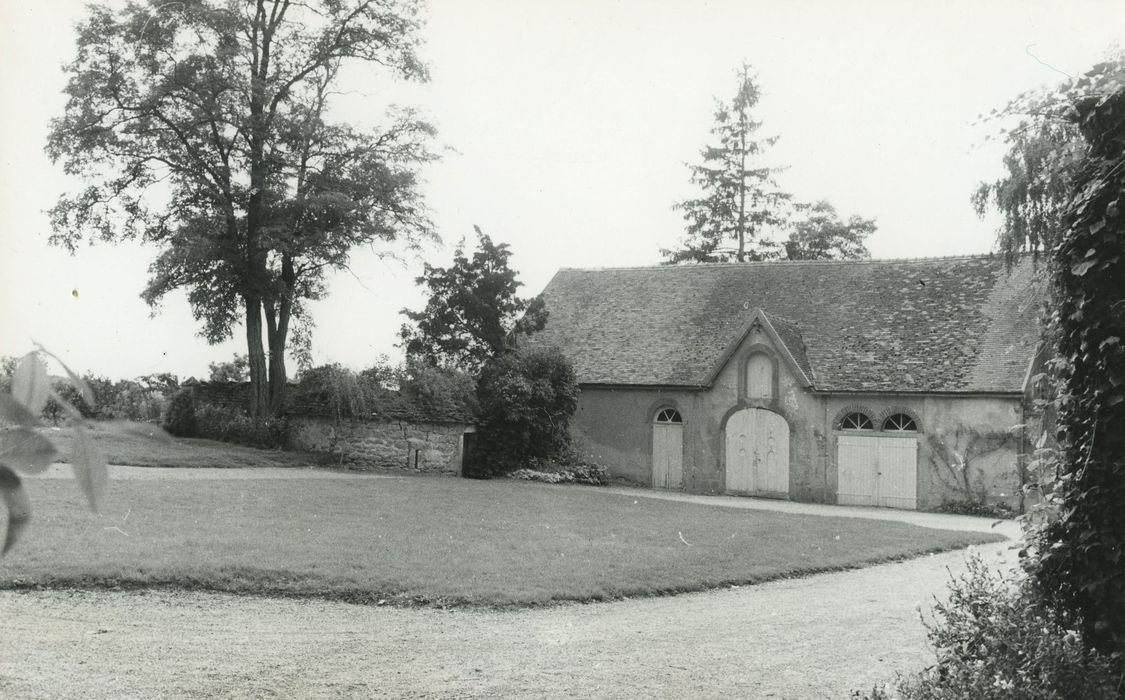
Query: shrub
229, 425
982, 510
333, 390
526, 400
179, 419
554, 472
995, 639
437, 392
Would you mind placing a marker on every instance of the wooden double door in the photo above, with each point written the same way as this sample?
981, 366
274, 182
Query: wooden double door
877, 471
757, 453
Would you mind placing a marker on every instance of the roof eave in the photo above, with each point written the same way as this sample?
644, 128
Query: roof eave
1007, 393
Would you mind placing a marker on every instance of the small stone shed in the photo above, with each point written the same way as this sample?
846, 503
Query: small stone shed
396, 435
895, 383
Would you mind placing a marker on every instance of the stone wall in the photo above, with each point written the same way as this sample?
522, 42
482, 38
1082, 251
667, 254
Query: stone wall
432, 448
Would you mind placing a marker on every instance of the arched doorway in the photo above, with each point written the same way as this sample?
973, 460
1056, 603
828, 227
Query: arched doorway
757, 453
667, 449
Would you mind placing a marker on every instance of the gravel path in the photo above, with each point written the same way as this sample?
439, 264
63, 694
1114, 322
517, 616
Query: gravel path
820, 636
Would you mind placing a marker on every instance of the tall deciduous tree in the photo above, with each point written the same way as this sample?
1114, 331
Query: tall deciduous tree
822, 235
473, 312
740, 200
204, 127
1042, 158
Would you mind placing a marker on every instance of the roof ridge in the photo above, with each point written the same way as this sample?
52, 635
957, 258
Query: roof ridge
779, 317
765, 263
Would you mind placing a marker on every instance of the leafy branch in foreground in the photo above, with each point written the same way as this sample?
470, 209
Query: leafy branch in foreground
23, 449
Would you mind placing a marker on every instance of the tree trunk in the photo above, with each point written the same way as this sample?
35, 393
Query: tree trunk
742, 189
259, 394
277, 334
277, 320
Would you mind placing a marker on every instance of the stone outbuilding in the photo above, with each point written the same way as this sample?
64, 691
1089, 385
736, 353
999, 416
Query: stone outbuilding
895, 383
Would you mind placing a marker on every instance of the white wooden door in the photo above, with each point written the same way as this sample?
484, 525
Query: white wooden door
898, 473
667, 455
877, 471
757, 453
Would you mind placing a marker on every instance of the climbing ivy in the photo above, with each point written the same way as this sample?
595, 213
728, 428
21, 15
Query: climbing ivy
1079, 557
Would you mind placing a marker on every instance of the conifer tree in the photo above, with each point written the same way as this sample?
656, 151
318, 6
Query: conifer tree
740, 200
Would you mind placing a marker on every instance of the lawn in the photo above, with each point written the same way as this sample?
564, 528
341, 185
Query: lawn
431, 541
125, 443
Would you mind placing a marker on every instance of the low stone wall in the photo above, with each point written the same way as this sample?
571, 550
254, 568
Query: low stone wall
433, 448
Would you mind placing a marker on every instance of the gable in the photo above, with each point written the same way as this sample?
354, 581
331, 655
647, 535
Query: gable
786, 344
942, 324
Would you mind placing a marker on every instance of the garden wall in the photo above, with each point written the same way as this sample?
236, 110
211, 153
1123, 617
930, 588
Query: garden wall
427, 447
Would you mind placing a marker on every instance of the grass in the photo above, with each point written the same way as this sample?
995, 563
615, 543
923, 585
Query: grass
430, 541
125, 443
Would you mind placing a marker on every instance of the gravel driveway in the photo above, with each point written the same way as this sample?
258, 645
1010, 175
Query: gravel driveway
805, 638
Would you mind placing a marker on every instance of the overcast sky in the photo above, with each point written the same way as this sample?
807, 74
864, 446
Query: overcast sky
569, 123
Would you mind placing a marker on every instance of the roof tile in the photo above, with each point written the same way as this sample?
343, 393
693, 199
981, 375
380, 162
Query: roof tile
940, 324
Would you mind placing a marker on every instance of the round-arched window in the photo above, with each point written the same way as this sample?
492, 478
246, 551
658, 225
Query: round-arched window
856, 421
900, 422
669, 415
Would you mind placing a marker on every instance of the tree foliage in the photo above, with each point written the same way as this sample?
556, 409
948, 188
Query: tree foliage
822, 235
473, 312
527, 398
740, 200
1031, 196
204, 127
236, 369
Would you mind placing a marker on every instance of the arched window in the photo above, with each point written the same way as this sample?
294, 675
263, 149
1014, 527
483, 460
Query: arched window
856, 421
669, 415
901, 423
759, 376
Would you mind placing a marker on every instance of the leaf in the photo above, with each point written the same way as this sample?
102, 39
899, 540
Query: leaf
89, 465
75, 381
1083, 267
13, 411
27, 451
65, 405
30, 385
17, 503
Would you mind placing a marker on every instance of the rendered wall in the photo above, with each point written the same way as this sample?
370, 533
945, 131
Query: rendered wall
614, 425
979, 428
801, 410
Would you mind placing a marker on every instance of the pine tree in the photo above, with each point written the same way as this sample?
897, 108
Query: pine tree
740, 199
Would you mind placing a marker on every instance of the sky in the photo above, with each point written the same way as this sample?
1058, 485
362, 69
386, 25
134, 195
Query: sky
566, 127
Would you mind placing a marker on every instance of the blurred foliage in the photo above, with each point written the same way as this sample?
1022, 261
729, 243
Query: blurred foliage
28, 393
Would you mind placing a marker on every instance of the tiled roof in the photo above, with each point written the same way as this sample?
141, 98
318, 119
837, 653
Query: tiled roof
939, 324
